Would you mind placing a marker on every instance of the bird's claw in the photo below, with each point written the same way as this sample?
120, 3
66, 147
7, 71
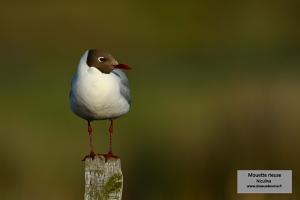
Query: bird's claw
109, 155
91, 155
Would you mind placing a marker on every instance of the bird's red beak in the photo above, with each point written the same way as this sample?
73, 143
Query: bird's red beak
122, 66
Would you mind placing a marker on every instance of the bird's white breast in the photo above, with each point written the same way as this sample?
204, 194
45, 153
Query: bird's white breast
96, 95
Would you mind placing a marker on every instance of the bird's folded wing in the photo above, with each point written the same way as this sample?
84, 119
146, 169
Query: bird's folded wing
124, 87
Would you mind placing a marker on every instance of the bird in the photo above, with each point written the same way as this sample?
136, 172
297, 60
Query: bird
100, 91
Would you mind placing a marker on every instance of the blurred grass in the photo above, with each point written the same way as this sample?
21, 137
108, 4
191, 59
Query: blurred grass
215, 88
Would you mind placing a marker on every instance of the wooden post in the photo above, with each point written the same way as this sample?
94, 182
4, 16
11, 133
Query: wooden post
103, 180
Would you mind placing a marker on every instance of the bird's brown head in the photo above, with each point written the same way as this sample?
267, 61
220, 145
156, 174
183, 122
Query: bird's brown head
103, 61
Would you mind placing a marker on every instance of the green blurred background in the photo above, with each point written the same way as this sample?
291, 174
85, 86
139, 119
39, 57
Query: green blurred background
215, 88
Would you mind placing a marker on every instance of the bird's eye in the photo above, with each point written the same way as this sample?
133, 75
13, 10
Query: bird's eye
101, 59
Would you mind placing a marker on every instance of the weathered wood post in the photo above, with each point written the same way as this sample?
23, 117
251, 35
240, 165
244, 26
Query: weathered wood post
103, 180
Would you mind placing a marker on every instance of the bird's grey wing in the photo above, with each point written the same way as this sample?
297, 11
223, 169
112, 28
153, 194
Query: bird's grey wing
124, 88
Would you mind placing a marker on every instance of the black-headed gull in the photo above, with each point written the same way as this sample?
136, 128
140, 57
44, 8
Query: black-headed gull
99, 91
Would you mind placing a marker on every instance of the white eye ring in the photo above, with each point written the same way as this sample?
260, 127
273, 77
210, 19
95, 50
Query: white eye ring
100, 59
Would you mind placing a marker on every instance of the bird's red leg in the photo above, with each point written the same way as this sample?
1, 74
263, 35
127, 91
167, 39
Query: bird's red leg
92, 153
110, 130
110, 153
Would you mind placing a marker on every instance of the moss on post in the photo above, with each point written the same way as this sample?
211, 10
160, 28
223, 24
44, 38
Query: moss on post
103, 180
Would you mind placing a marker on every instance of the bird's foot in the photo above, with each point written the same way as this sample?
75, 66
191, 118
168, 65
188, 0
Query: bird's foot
91, 155
108, 156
